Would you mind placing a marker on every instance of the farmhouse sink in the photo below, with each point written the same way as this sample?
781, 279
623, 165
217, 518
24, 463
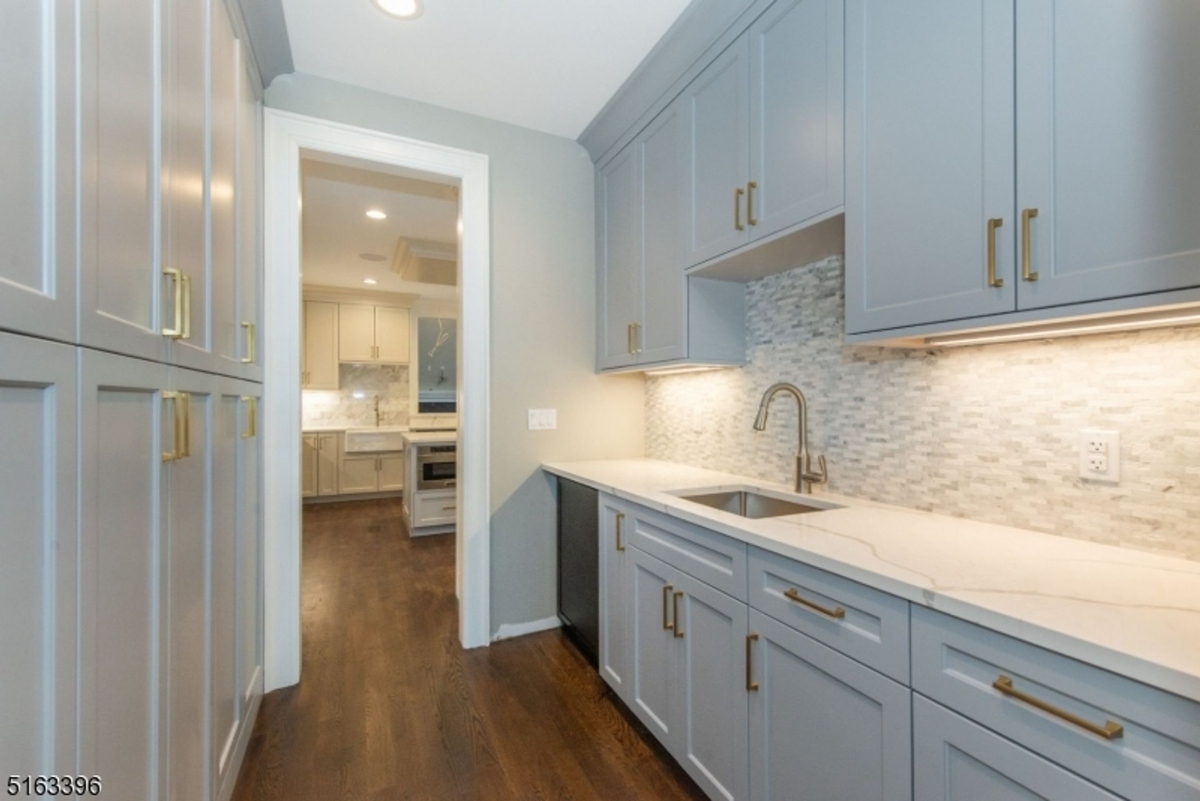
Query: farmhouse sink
373, 440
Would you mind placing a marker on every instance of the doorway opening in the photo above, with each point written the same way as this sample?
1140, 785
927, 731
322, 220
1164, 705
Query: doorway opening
375, 353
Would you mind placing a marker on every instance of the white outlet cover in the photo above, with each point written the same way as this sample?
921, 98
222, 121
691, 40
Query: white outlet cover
543, 419
1100, 455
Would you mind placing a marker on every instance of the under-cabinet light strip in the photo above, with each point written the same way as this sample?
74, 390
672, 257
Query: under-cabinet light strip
1131, 323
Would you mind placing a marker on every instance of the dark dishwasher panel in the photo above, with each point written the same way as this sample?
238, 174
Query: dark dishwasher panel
579, 565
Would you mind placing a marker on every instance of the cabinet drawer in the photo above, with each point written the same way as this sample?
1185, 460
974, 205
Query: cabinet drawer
434, 510
1156, 754
713, 558
861, 622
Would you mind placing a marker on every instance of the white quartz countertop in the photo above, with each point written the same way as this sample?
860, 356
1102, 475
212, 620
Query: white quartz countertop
1133, 613
431, 437
325, 429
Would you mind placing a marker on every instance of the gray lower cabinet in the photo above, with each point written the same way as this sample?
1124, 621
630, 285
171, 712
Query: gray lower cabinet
822, 726
615, 571
957, 760
654, 659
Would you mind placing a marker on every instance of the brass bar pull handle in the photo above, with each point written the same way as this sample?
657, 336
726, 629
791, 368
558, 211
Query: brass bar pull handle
186, 333
992, 279
1027, 271
187, 423
629, 337
176, 452
751, 685
675, 615
620, 526
1109, 731
248, 327
176, 277
667, 624
251, 417
737, 208
836, 613
637, 337
750, 187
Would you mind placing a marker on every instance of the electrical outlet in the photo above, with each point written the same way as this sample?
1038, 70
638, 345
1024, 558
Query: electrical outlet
543, 419
1100, 455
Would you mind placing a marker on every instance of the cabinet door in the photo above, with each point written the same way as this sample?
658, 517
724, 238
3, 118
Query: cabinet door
249, 589
957, 760
717, 108
225, 709
822, 726
615, 608
320, 345
356, 333
328, 464
188, 657
223, 137
120, 267
618, 258
249, 261
929, 161
37, 174
308, 466
38, 475
1107, 144
359, 474
391, 335
391, 472
185, 173
663, 147
710, 679
125, 425
796, 115
654, 670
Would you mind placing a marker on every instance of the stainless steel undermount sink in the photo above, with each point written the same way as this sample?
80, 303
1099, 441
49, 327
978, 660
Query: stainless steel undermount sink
750, 504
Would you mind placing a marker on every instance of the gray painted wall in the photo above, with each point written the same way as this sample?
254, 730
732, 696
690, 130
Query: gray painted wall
543, 324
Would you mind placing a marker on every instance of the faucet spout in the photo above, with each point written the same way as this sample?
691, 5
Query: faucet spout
805, 476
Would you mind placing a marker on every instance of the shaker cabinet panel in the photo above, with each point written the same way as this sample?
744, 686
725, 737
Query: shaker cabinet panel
320, 345
37, 174
328, 464
717, 110
38, 475
225, 707
223, 138
1108, 147
391, 471
619, 258
249, 547
796, 117
249, 251
308, 466
120, 266
391, 335
356, 333
359, 474
929, 162
615, 559
654, 667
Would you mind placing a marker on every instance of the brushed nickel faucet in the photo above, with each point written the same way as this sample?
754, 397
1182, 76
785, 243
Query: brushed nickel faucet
805, 477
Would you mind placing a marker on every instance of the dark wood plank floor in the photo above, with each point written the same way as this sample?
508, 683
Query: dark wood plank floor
390, 707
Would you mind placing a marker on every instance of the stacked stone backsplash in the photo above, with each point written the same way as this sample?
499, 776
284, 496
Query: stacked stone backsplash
341, 407
988, 432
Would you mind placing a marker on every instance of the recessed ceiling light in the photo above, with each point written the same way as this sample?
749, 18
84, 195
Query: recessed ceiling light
404, 9
372, 257
376, 214
370, 281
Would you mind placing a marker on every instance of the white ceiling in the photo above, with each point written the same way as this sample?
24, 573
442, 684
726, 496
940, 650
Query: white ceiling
335, 229
550, 65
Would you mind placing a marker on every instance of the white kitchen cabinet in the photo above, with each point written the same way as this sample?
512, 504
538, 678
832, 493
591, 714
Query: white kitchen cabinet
391, 471
38, 482
125, 304
250, 601
249, 248
37, 174
434, 508
615, 562
373, 334
309, 466
328, 463
930, 159
822, 726
1107, 143
359, 473
320, 345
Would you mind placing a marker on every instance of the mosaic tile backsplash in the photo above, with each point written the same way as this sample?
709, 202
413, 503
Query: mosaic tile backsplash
989, 432
341, 408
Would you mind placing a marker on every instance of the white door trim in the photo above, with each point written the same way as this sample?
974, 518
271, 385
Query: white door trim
285, 135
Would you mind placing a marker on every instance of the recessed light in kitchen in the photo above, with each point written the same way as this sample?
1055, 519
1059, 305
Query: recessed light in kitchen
403, 9
376, 214
372, 257
370, 281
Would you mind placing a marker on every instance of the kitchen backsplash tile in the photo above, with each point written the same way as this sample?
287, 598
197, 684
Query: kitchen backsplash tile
990, 433
341, 407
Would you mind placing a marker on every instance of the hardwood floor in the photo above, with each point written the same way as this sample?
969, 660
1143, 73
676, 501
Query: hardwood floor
390, 707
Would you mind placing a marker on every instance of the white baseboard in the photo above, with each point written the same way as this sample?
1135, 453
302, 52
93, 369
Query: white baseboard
510, 630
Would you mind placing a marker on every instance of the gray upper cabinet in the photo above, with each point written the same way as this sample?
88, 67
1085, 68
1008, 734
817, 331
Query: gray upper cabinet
822, 726
618, 258
930, 160
1108, 145
796, 80
717, 105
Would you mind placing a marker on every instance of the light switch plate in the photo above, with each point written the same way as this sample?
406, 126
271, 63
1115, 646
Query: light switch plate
1100, 455
543, 419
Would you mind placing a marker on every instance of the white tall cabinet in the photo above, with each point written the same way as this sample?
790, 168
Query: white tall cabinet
130, 287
